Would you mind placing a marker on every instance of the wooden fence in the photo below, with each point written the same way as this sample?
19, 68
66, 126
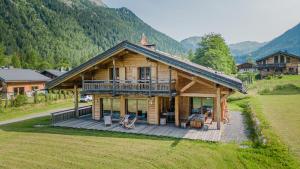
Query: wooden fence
69, 114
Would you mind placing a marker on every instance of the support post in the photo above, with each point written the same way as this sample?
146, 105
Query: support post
170, 82
114, 76
122, 106
76, 101
177, 101
82, 79
150, 82
218, 113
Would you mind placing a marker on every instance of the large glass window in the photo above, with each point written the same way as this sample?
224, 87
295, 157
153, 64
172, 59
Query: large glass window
111, 107
137, 108
201, 105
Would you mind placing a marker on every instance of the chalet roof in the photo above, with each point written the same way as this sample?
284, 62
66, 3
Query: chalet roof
54, 72
21, 75
168, 59
277, 53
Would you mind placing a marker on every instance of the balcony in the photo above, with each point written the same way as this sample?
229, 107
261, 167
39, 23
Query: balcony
274, 65
121, 87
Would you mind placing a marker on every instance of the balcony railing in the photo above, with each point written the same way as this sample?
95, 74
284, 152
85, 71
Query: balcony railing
281, 65
129, 86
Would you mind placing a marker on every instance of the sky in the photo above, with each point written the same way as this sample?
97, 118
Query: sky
236, 20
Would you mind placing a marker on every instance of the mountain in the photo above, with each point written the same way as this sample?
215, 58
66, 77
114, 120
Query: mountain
246, 47
70, 31
191, 43
288, 41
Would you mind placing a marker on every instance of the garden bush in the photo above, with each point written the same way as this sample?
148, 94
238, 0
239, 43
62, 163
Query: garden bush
20, 100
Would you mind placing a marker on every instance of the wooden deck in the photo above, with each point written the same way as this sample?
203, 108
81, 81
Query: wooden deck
212, 134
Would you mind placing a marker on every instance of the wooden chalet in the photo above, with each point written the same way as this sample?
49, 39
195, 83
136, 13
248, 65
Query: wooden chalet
246, 67
149, 84
279, 63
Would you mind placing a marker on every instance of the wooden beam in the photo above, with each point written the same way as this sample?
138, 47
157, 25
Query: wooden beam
198, 95
177, 102
122, 106
157, 111
114, 76
218, 103
187, 86
195, 79
76, 101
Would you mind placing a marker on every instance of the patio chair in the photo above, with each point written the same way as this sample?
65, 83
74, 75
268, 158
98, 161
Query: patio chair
130, 125
124, 120
107, 120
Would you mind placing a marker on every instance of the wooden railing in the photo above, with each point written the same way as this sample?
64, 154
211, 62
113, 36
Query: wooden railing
271, 65
69, 114
127, 86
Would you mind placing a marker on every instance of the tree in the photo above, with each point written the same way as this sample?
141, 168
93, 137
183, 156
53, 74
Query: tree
15, 61
213, 52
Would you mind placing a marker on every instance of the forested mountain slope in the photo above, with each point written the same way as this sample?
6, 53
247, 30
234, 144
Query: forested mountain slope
50, 33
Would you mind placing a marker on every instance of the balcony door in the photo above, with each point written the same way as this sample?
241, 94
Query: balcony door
144, 74
111, 75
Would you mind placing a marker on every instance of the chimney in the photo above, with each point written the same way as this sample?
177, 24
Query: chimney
144, 42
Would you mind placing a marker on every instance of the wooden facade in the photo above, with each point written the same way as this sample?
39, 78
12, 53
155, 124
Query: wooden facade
131, 82
279, 63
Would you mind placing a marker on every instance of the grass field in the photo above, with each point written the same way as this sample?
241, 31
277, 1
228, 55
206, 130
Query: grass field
35, 144
29, 109
283, 112
24, 146
279, 106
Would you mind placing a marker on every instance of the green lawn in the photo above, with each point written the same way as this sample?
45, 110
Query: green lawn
283, 112
24, 146
29, 109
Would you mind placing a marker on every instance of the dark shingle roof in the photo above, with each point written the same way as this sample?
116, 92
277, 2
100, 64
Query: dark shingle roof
55, 72
21, 75
277, 53
176, 62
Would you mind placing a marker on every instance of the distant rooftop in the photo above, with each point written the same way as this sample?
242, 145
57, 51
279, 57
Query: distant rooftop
21, 75
55, 72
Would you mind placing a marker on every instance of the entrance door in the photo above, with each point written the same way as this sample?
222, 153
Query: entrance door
168, 109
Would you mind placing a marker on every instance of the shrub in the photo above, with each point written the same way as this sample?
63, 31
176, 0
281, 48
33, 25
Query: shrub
20, 100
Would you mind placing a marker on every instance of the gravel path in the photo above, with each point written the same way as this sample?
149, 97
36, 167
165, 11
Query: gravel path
32, 116
235, 130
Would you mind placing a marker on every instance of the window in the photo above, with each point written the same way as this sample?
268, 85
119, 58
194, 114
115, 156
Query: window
137, 108
144, 73
117, 74
111, 107
288, 60
281, 59
34, 88
19, 90
201, 105
276, 59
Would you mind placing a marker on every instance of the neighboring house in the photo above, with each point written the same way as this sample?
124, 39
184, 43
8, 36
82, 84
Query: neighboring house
21, 81
148, 84
52, 73
246, 67
279, 63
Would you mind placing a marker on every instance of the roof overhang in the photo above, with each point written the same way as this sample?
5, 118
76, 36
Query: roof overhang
125, 45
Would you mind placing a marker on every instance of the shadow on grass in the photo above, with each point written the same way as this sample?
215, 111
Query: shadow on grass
42, 125
287, 89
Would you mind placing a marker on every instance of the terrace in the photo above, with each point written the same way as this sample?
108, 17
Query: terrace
85, 121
